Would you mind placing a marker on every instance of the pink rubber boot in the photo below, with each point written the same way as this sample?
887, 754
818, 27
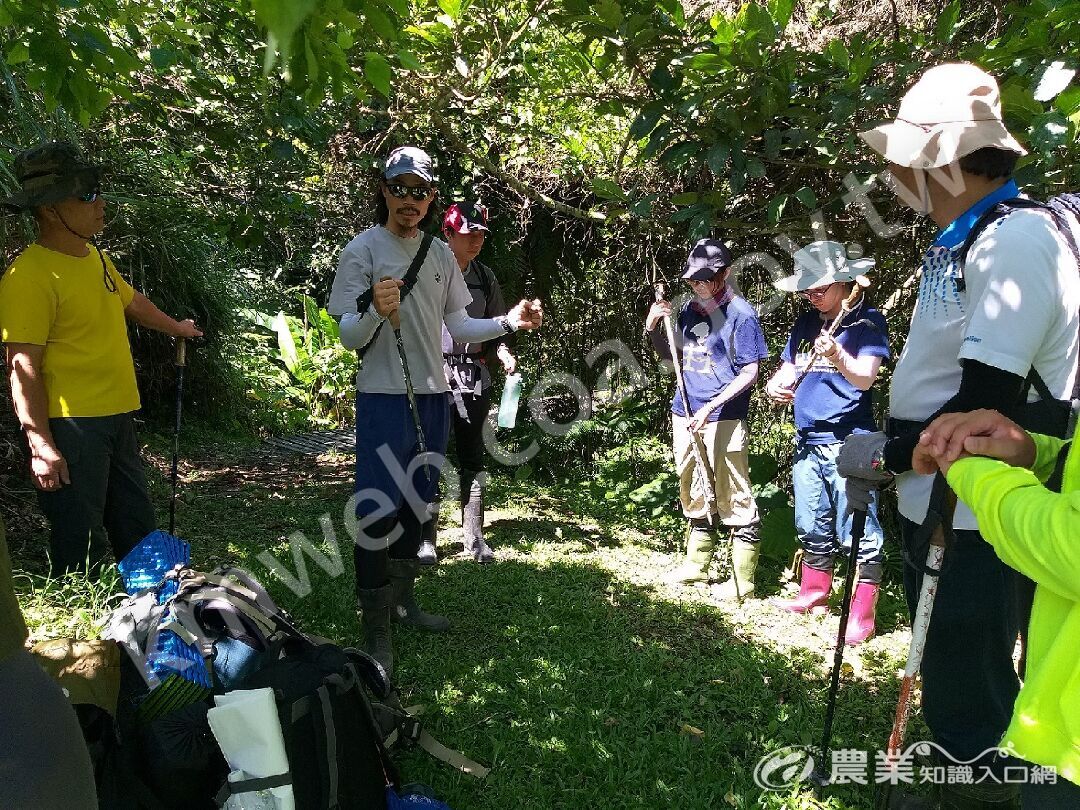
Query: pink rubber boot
860, 624
813, 591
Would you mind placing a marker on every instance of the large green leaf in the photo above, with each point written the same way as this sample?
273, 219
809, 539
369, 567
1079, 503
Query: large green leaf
775, 210
379, 22
781, 12
946, 22
281, 18
607, 189
378, 71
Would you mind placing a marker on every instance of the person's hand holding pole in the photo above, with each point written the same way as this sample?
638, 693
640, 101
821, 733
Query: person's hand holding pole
657, 312
187, 328
779, 393
386, 296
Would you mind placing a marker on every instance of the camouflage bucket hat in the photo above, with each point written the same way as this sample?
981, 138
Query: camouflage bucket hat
50, 173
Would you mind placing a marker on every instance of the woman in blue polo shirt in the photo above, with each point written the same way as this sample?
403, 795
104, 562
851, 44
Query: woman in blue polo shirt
833, 401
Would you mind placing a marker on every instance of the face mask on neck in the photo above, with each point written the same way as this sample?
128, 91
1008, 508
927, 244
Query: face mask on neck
917, 199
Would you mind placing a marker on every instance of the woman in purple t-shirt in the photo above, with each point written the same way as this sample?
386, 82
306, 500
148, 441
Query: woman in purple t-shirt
831, 402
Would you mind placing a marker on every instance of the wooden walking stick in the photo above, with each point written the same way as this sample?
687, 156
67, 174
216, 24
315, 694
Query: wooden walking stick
938, 523
700, 456
848, 305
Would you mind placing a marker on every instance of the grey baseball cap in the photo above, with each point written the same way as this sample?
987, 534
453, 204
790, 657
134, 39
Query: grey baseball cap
50, 173
409, 160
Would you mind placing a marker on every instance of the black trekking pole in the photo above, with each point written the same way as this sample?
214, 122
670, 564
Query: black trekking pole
410, 393
821, 774
180, 362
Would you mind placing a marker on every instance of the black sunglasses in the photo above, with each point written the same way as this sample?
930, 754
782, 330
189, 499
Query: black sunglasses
401, 191
91, 195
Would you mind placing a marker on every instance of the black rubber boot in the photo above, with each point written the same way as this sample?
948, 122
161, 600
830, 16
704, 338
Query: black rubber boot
404, 609
375, 625
429, 535
472, 519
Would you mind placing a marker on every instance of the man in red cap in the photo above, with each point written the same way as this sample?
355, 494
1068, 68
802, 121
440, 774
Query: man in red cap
719, 347
468, 372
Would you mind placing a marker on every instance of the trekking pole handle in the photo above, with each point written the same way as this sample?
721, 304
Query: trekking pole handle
181, 352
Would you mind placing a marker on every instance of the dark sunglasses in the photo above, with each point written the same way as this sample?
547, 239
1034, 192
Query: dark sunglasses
401, 191
91, 195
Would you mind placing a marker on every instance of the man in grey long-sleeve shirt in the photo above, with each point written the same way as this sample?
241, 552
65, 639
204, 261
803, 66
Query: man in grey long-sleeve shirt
394, 486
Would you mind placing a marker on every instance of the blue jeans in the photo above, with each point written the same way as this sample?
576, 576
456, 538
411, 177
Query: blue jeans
391, 498
821, 521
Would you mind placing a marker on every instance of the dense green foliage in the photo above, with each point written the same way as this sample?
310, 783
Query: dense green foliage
605, 136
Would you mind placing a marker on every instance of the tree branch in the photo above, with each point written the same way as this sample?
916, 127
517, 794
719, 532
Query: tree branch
521, 188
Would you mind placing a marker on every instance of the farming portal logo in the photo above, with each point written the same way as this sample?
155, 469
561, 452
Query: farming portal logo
787, 767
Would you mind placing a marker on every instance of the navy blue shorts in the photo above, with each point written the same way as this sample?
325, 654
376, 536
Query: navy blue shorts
389, 474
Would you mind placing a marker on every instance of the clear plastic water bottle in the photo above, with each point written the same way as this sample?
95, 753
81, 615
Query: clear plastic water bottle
508, 406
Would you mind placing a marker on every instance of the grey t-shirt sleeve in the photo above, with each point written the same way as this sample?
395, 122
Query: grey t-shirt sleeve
353, 278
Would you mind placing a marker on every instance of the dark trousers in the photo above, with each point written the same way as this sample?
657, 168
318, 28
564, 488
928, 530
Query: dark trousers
106, 504
1062, 795
969, 683
44, 764
393, 505
469, 438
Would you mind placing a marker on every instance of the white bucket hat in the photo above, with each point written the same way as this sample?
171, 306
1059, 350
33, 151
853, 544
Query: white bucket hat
820, 264
951, 111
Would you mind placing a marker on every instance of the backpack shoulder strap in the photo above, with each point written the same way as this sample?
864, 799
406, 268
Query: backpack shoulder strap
408, 282
487, 281
990, 216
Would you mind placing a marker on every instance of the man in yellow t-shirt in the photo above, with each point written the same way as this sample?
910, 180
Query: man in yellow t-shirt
63, 313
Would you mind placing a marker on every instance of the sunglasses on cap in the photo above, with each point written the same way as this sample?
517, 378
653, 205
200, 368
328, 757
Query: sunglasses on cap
90, 196
401, 191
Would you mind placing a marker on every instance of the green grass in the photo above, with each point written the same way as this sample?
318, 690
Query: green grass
568, 670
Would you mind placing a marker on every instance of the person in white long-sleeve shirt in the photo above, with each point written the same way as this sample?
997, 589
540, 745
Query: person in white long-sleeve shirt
394, 486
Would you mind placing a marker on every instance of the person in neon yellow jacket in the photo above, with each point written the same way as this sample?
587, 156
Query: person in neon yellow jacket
997, 469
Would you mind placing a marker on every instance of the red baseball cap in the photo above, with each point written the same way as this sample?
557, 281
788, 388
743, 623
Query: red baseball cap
465, 217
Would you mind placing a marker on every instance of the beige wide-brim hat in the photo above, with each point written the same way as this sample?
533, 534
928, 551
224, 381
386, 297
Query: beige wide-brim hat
951, 111
820, 264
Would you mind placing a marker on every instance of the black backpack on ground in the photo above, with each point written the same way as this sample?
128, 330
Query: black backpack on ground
334, 748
